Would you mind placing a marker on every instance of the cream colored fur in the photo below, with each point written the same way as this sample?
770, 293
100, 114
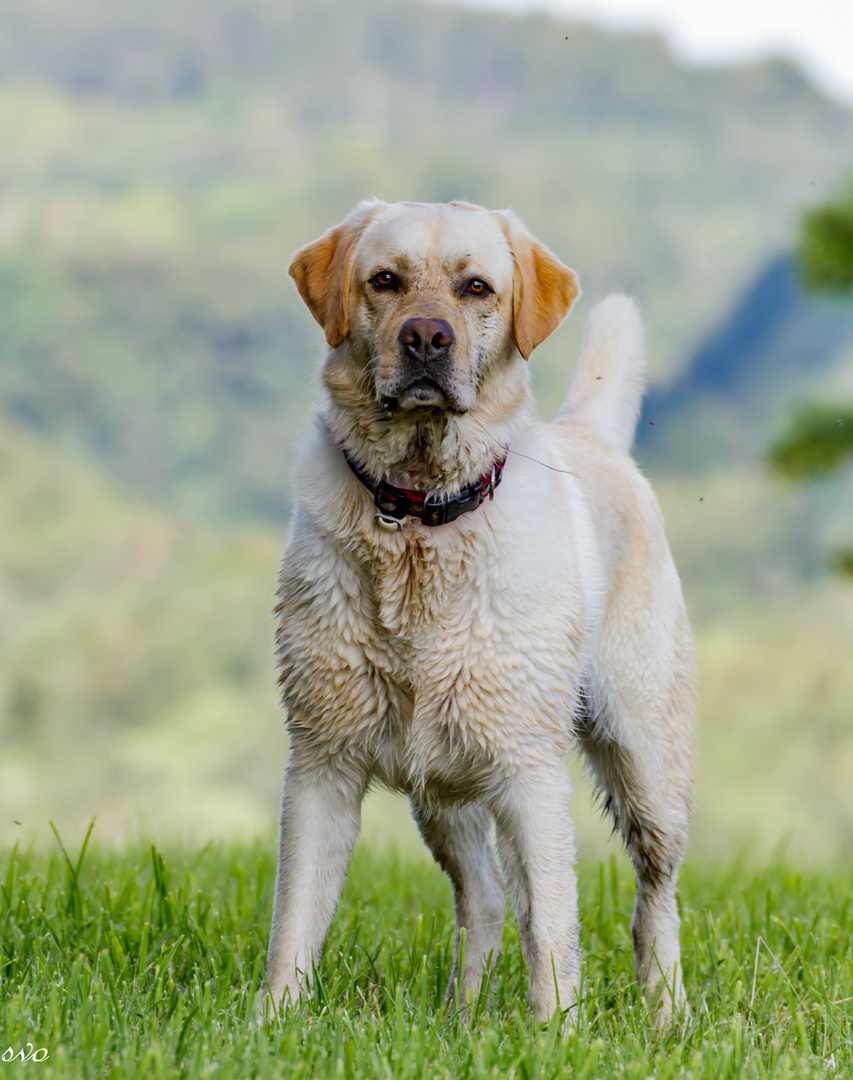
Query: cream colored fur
459, 664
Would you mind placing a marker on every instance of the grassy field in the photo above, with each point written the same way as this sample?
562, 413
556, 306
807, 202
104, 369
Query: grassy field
145, 964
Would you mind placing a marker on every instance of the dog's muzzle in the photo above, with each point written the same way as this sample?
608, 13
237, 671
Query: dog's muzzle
425, 374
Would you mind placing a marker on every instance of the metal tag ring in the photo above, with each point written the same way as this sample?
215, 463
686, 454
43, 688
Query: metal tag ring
388, 524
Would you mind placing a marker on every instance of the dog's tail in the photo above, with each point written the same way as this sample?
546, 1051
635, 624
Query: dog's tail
609, 379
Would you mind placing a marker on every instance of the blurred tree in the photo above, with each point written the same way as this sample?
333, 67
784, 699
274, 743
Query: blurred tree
826, 246
820, 439
817, 443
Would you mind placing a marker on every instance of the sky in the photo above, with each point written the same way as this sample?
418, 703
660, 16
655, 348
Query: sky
818, 34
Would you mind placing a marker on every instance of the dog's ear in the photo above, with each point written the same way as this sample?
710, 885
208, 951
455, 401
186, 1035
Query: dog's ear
322, 272
543, 288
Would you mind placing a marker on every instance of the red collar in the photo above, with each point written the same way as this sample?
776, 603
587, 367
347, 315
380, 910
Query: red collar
393, 503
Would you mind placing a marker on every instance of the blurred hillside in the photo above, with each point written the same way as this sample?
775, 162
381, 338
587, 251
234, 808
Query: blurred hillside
778, 344
709, 429
135, 664
159, 164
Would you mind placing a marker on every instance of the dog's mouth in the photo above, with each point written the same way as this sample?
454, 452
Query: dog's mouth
422, 393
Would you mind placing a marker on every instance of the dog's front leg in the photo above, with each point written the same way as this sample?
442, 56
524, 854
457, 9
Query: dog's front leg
320, 821
537, 851
459, 838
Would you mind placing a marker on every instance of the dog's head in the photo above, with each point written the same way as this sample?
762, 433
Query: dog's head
428, 299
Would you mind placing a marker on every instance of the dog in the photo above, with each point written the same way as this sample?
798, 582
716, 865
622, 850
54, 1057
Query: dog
467, 593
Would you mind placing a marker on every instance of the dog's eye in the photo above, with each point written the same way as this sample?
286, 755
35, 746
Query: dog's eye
477, 287
385, 280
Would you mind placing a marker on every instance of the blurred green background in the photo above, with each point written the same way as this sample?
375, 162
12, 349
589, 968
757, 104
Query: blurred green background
159, 162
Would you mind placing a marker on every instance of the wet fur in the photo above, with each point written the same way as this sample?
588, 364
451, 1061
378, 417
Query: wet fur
459, 664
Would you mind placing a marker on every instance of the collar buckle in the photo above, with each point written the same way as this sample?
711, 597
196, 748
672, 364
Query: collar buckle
439, 511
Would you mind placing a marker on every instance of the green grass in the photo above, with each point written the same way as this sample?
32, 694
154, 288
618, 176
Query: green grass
140, 964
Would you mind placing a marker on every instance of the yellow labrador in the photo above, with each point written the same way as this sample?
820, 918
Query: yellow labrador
467, 592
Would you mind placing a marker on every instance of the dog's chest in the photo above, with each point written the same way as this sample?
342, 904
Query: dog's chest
486, 670
431, 660
417, 586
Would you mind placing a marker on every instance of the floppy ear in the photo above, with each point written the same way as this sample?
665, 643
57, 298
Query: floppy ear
322, 272
543, 289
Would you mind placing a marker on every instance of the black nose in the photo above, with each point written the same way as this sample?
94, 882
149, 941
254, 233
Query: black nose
426, 339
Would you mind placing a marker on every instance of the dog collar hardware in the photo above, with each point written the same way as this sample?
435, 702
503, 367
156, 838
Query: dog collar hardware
393, 503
